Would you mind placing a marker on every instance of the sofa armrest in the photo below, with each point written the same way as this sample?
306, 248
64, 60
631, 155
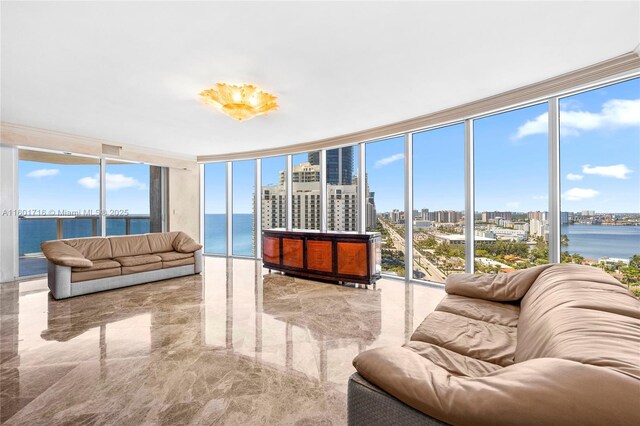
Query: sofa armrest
64, 255
185, 244
197, 267
59, 280
501, 287
537, 391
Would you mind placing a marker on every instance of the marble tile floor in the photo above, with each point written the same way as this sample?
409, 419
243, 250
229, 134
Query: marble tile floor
234, 345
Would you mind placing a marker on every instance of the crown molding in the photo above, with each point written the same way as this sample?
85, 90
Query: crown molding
32, 137
619, 66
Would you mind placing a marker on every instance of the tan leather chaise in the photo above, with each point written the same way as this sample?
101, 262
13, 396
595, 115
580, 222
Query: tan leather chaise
555, 344
87, 265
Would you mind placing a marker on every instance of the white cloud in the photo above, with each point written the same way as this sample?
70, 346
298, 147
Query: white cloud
618, 171
90, 182
577, 194
113, 182
389, 160
614, 113
574, 176
43, 173
538, 125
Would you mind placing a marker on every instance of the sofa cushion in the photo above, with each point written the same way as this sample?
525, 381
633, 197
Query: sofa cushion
474, 338
129, 245
93, 248
185, 244
179, 262
161, 242
582, 314
98, 265
502, 287
173, 255
95, 274
141, 268
482, 310
138, 260
62, 254
452, 362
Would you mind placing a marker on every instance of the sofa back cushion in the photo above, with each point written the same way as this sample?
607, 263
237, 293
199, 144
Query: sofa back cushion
129, 245
582, 314
93, 248
161, 242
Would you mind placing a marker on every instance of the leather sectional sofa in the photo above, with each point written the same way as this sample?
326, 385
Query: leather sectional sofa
88, 265
555, 344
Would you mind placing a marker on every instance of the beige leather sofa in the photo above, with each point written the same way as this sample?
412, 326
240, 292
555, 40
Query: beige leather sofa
555, 344
88, 265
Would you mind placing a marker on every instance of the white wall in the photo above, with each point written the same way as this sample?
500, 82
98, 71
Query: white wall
184, 201
8, 218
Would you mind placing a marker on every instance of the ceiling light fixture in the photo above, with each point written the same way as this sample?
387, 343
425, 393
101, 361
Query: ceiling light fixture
239, 102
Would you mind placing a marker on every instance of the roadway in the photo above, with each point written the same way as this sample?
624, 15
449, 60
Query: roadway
431, 271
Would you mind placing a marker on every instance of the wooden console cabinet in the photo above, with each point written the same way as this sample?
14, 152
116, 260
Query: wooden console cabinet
332, 256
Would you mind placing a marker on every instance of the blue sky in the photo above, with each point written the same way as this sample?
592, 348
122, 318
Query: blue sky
72, 187
600, 160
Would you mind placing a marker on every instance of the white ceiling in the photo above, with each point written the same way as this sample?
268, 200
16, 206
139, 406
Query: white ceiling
130, 72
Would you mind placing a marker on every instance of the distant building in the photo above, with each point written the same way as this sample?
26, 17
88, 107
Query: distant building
487, 216
538, 228
422, 224
274, 206
517, 235
339, 165
342, 202
614, 261
564, 218
537, 215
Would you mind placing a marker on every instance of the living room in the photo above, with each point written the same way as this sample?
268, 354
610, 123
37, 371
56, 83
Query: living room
263, 212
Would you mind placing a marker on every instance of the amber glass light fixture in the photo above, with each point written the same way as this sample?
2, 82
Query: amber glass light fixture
239, 102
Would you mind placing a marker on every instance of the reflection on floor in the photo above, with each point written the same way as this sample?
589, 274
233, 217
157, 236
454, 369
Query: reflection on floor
232, 346
32, 265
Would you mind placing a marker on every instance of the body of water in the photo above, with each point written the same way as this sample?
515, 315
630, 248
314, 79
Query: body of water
596, 241
215, 238
33, 232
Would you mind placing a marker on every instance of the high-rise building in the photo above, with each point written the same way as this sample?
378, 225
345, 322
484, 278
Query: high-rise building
487, 216
342, 202
538, 215
274, 206
339, 165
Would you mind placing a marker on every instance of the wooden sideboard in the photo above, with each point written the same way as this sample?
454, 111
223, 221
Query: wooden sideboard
332, 256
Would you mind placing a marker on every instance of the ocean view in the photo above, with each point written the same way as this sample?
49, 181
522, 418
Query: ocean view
33, 232
215, 239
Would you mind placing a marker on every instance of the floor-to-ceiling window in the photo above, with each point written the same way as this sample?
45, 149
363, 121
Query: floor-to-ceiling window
305, 197
215, 208
244, 179
385, 200
600, 157
127, 197
438, 203
600, 180
511, 189
342, 189
274, 192
58, 197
